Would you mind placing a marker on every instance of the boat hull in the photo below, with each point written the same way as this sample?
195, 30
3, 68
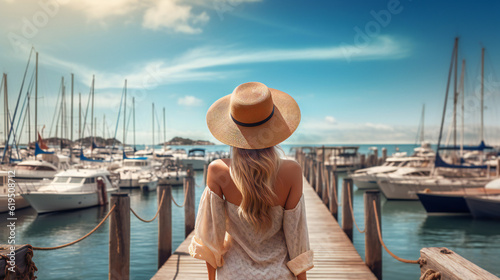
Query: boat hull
443, 203
129, 183
148, 186
20, 203
484, 207
365, 182
408, 191
52, 202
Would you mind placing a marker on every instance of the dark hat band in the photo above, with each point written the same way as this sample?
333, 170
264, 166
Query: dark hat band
255, 123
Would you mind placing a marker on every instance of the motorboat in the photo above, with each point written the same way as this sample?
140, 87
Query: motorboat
71, 189
406, 182
41, 168
132, 169
343, 159
148, 181
367, 178
453, 202
195, 157
16, 200
172, 176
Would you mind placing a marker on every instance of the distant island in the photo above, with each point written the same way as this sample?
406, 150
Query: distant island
186, 141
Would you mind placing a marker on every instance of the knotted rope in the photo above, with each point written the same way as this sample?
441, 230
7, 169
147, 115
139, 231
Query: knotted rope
419, 261
79, 239
157, 212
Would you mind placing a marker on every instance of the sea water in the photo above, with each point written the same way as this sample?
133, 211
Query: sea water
406, 229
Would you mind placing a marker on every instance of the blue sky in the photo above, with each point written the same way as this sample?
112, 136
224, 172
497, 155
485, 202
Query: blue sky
360, 70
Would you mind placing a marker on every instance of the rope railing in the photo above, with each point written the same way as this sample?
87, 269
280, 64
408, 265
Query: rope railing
419, 261
157, 212
185, 198
349, 196
81, 238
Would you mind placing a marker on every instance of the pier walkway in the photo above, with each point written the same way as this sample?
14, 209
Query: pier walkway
334, 255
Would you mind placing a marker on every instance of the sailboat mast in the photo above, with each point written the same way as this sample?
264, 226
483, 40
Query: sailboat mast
104, 126
72, 90
133, 113
482, 94
62, 109
36, 98
164, 131
153, 118
92, 119
124, 114
455, 97
422, 137
462, 92
6, 107
79, 115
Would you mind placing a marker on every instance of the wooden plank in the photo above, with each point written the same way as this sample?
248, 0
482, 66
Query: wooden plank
451, 265
334, 255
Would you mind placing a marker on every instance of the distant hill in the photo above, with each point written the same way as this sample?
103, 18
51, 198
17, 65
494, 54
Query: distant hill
187, 141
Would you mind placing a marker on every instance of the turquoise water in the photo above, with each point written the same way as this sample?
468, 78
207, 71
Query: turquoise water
406, 229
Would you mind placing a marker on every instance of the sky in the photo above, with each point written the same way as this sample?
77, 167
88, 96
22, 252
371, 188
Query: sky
360, 70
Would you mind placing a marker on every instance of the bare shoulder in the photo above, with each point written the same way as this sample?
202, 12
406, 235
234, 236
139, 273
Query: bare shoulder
217, 175
292, 172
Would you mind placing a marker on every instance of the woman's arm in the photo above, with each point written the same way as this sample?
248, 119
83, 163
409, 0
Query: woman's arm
211, 272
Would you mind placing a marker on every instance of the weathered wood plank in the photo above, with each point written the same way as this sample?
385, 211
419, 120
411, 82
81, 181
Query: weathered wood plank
451, 265
334, 255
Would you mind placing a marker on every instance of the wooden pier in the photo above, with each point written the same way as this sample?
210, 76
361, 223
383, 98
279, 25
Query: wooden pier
334, 255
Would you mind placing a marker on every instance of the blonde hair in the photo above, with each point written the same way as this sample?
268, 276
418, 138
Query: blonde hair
254, 173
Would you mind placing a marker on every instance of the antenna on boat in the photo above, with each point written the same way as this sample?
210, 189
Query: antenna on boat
164, 131
462, 92
124, 115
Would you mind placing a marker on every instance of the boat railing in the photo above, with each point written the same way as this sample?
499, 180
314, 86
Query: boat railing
28, 187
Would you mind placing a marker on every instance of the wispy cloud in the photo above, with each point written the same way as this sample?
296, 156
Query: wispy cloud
196, 64
189, 101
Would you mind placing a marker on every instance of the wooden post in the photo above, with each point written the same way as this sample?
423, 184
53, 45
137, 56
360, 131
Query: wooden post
189, 215
333, 204
384, 155
346, 209
164, 224
373, 249
450, 265
205, 170
326, 184
119, 237
362, 159
375, 157
319, 178
311, 172
498, 167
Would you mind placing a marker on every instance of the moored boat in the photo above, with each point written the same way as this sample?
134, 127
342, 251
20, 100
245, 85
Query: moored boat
71, 189
485, 206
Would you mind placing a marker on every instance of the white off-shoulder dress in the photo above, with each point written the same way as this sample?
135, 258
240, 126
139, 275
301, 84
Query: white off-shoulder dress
238, 251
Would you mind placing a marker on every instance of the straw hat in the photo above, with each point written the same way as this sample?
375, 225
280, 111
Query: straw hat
253, 117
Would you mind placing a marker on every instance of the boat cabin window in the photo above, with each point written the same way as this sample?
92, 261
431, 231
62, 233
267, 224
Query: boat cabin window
136, 163
25, 167
89, 180
61, 179
44, 168
76, 180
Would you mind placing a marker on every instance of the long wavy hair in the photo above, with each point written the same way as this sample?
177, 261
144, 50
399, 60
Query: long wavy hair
254, 173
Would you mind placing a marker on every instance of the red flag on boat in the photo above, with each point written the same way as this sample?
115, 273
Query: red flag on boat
42, 144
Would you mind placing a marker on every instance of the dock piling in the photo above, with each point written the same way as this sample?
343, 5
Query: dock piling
164, 224
373, 248
332, 199
119, 237
346, 209
189, 214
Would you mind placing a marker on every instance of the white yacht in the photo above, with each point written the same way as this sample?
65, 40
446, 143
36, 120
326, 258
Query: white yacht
44, 167
148, 181
196, 157
19, 202
172, 176
131, 170
406, 182
71, 189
